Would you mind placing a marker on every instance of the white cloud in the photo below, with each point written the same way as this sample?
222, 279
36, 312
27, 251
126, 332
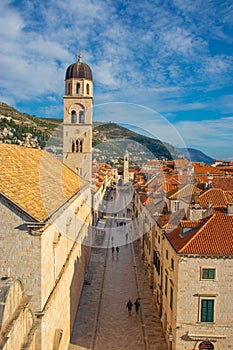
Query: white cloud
214, 136
152, 53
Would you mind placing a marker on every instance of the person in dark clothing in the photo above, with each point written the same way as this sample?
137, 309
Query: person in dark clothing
129, 306
137, 305
117, 249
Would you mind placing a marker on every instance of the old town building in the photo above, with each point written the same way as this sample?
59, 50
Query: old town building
188, 255
45, 208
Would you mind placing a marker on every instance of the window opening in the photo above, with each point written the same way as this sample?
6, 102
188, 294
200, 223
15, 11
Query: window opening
172, 263
171, 298
81, 145
207, 310
176, 206
73, 117
208, 274
81, 117
68, 89
73, 146
206, 345
166, 284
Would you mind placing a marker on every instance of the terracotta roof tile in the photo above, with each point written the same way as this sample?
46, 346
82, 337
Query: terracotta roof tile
184, 192
204, 169
190, 223
213, 237
214, 195
35, 180
163, 220
225, 183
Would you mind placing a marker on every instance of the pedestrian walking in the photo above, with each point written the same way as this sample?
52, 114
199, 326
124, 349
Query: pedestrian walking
129, 306
137, 305
112, 249
117, 249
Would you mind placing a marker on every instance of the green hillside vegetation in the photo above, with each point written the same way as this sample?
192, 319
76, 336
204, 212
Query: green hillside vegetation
19, 125
48, 132
115, 139
110, 140
41, 123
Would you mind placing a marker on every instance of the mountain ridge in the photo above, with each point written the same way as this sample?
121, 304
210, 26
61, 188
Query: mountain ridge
103, 133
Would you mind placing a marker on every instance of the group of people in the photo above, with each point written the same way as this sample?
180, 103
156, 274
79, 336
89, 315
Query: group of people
136, 304
117, 249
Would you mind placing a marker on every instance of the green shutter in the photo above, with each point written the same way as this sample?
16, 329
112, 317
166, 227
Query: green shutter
212, 274
208, 274
207, 310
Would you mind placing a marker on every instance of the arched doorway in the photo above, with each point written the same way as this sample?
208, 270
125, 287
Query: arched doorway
205, 345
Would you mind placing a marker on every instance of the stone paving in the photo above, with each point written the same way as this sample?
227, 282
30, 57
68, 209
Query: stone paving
102, 321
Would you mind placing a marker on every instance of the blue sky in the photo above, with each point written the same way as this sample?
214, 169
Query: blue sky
173, 59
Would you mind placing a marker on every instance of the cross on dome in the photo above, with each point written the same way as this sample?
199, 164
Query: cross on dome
80, 56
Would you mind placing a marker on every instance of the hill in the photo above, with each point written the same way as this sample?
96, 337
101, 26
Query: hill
110, 140
195, 155
24, 129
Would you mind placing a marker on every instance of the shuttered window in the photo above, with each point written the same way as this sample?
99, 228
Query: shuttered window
208, 274
207, 310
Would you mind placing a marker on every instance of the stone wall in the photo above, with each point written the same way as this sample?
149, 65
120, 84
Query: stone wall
17, 321
182, 274
51, 261
20, 251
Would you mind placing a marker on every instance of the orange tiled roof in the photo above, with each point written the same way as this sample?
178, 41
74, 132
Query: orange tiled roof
229, 196
184, 191
181, 163
190, 223
225, 183
214, 195
163, 220
35, 180
145, 199
213, 237
204, 169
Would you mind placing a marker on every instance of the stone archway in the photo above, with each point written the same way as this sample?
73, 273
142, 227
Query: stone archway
206, 345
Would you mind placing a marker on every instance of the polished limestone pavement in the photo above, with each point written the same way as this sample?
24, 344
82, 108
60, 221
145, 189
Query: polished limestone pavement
102, 321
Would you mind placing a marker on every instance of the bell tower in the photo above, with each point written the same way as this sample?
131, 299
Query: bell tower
77, 123
126, 168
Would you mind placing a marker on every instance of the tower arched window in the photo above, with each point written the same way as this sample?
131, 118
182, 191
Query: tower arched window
77, 145
73, 146
68, 88
78, 88
81, 117
88, 89
81, 146
73, 117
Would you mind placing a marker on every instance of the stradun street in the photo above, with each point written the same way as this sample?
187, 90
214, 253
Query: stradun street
102, 321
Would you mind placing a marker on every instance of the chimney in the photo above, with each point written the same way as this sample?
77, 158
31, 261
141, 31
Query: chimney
230, 209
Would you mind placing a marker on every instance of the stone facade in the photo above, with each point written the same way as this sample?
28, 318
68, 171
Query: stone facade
179, 289
17, 322
51, 262
46, 215
182, 289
